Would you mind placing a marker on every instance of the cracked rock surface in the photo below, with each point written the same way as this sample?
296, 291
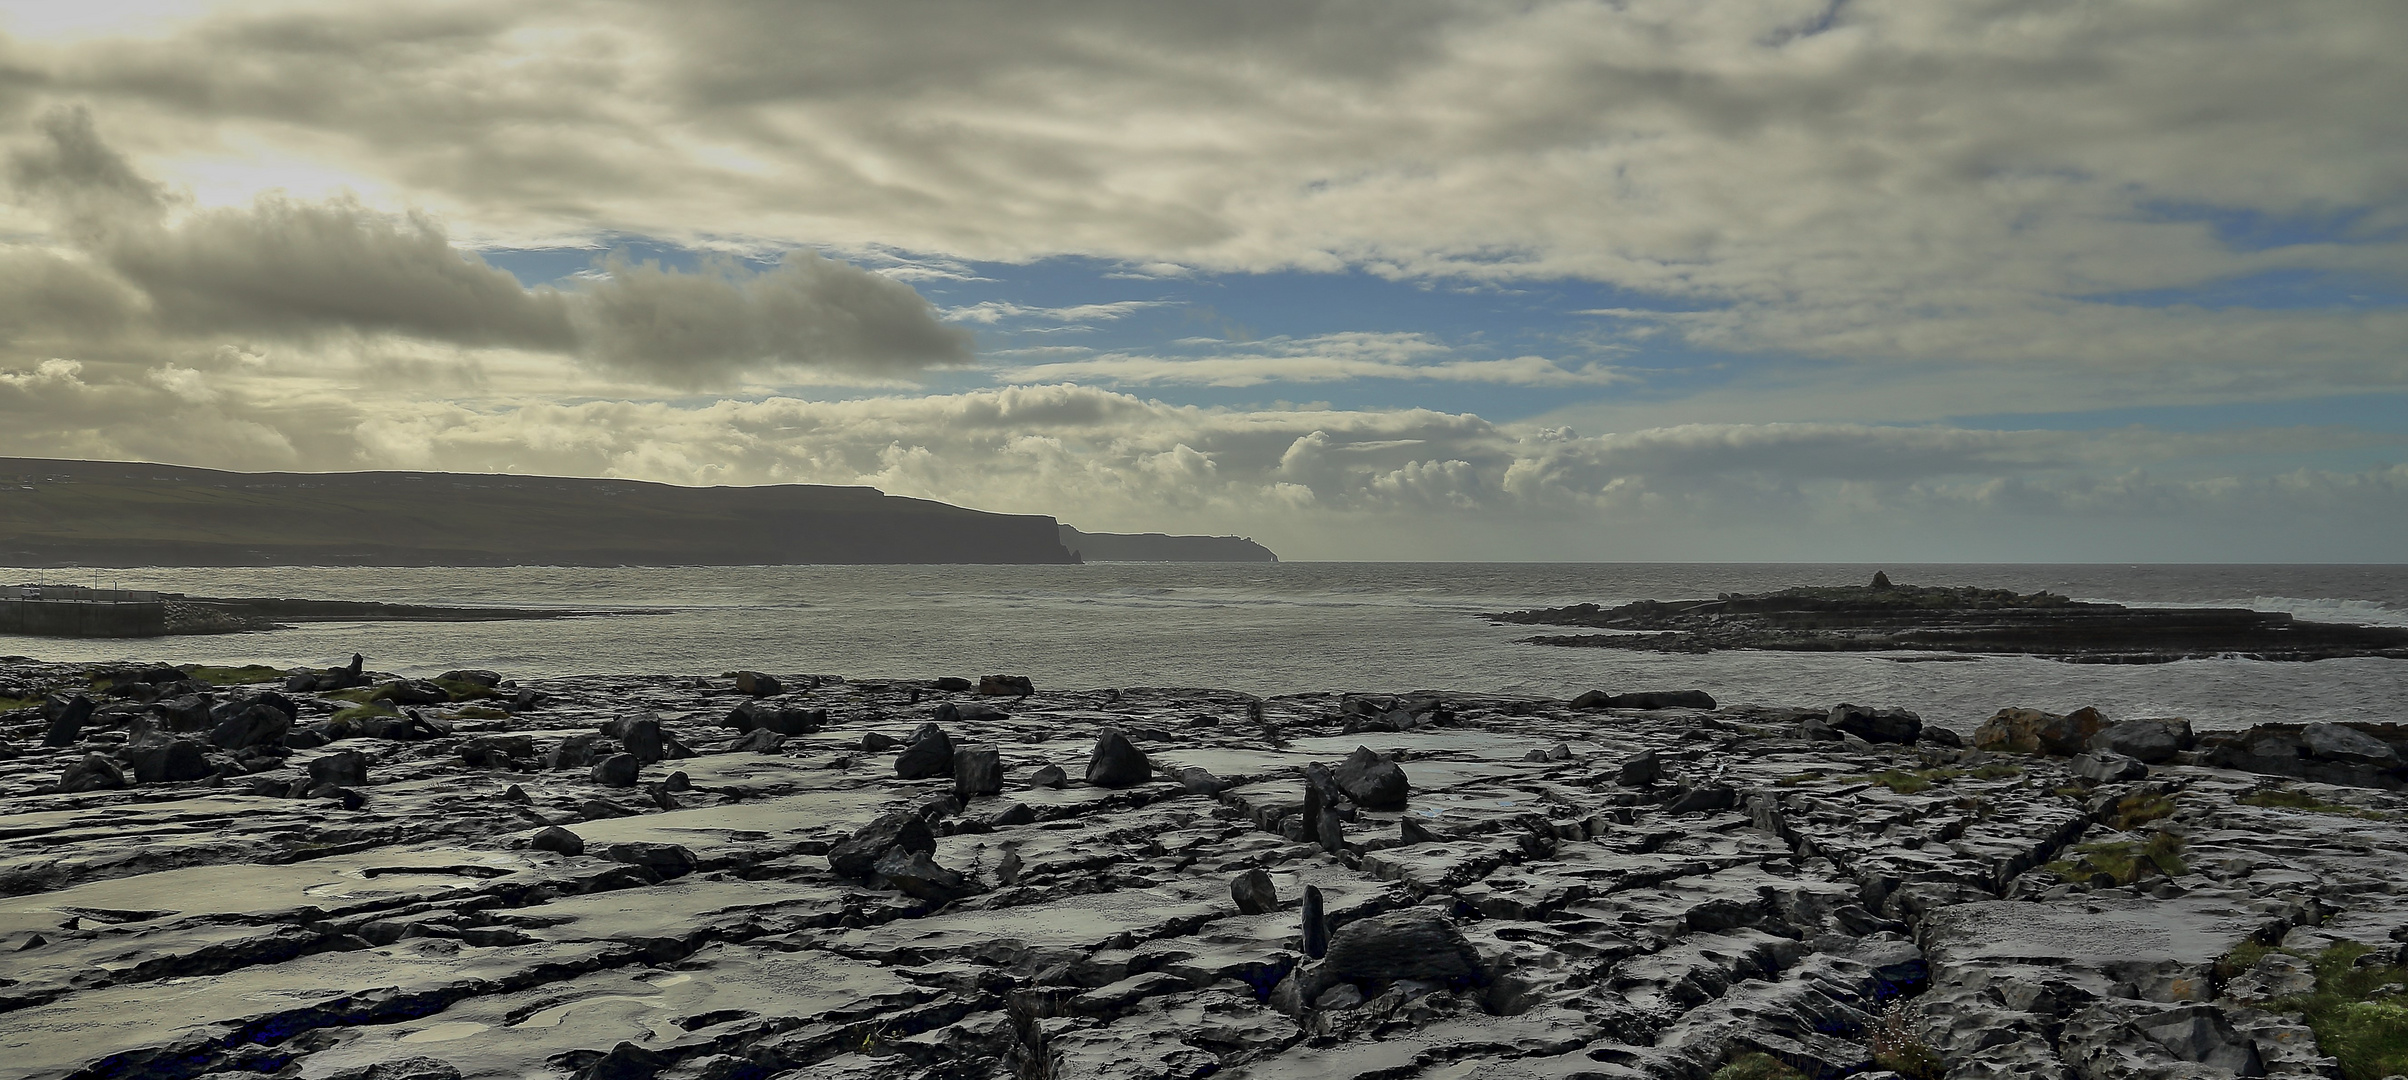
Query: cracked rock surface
615, 876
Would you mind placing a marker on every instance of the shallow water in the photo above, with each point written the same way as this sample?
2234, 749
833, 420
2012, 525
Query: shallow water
1273, 628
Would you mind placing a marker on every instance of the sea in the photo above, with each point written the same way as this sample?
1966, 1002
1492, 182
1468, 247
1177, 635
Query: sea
1271, 629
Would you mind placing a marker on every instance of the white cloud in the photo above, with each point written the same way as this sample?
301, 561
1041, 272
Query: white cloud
1320, 359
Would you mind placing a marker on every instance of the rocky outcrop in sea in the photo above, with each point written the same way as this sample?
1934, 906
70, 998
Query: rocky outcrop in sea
347, 874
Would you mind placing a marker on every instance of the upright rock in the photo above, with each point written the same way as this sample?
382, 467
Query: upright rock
1316, 924
67, 718
1416, 943
1117, 762
617, 770
977, 770
257, 724
1639, 770
168, 761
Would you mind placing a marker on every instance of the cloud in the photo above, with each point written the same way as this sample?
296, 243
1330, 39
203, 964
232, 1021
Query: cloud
162, 279
991, 312
1324, 358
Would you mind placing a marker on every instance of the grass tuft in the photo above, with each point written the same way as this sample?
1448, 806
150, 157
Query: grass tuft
364, 712
2107, 863
2134, 811
1996, 770
1757, 1065
2359, 1012
1794, 779
1899, 1048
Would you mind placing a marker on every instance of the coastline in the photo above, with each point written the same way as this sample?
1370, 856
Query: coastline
1638, 892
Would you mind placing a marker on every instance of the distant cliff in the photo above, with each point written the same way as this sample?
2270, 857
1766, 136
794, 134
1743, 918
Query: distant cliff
102, 513
1155, 547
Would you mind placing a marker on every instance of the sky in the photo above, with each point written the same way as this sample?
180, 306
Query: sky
1648, 280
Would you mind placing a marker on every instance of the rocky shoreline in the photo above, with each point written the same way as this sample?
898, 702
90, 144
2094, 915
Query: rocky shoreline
1882, 617
342, 874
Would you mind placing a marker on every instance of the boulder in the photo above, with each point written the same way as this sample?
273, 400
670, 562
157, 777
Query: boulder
1049, 776
1199, 781
257, 724
857, 855
1660, 699
874, 742
953, 684
664, 860
186, 712
2348, 745
617, 770
554, 838
954, 712
2152, 742
977, 770
1117, 762
757, 684
1416, 943
2030, 731
2108, 767
93, 773
67, 716
1639, 770
1254, 893
473, 677
1005, 686
1371, 781
168, 762
781, 719
1876, 725
341, 767
919, 876
641, 735
930, 754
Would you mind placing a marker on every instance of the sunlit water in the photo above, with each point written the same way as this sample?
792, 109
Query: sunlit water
1270, 629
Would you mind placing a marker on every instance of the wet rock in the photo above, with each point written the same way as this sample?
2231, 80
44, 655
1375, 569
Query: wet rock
1639, 770
1416, 943
2108, 767
1254, 893
342, 767
617, 770
67, 716
1116, 762
856, 856
977, 770
496, 751
626, 1061
642, 737
760, 741
1197, 781
1371, 781
758, 684
763, 715
2030, 731
664, 860
556, 839
412, 692
473, 677
918, 875
929, 755
2348, 745
874, 742
2152, 742
1005, 686
93, 773
1666, 699
953, 684
258, 724
1048, 776
1702, 799
1316, 923
1876, 725
169, 762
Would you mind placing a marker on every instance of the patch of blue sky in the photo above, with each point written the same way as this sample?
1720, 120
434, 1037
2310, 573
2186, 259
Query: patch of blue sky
2294, 289
2245, 229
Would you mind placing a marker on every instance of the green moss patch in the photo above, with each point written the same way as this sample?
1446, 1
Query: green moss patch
1996, 770
2122, 862
2134, 811
1906, 782
365, 712
1794, 779
1757, 1065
